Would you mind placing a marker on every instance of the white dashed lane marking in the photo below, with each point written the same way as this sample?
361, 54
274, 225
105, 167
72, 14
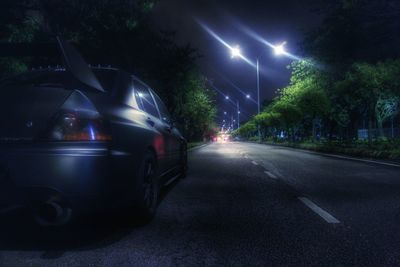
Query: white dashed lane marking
322, 213
270, 174
311, 205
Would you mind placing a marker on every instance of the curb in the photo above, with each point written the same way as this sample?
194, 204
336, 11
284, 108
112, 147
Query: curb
198, 147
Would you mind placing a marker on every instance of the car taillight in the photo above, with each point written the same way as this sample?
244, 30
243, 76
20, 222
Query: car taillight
76, 126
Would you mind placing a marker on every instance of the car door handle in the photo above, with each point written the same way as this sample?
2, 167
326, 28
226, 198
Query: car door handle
150, 122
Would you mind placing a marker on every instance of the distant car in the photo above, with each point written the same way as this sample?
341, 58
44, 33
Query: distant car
82, 139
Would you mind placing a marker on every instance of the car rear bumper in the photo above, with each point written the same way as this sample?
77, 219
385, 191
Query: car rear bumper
81, 174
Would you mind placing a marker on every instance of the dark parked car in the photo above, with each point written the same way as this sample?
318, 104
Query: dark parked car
79, 139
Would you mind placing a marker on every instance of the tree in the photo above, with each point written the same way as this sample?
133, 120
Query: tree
373, 86
355, 30
248, 129
197, 110
386, 107
268, 121
305, 97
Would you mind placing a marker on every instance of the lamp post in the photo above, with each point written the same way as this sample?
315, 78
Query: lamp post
258, 98
238, 113
236, 52
237, 108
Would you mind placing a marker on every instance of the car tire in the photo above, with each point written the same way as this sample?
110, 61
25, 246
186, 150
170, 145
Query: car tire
147, 190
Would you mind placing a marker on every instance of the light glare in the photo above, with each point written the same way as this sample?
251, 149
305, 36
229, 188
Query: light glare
280, 49
236, 52
214, 35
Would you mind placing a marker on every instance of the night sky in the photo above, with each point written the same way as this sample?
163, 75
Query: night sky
275, 21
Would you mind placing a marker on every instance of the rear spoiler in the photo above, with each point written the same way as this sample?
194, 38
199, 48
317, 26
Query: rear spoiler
75, 64
73, 61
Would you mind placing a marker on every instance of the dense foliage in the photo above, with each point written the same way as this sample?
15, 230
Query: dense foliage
117, 33
349, 81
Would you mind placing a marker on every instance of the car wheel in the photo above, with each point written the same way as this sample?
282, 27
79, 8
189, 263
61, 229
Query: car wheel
146, 199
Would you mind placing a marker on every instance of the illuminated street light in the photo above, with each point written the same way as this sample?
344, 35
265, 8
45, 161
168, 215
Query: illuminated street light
227, 97
225, 113
236, 51
248, 96
280, 49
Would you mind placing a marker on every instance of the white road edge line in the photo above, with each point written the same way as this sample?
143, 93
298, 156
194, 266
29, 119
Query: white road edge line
270, 174
346, 157
357, 159
255, 163
337, 156
322, 213
197, 147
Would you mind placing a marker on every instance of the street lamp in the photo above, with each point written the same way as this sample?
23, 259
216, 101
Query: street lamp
236, 51
279, 50
238, 113
237, 109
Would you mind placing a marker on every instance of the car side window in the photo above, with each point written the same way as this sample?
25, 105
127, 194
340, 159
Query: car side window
165, 116
144, 99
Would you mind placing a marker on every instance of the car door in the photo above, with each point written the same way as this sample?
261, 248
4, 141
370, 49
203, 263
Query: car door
174, 142
146, 102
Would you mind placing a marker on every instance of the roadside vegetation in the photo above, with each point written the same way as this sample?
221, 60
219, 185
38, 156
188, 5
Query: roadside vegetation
344, 95
117, 33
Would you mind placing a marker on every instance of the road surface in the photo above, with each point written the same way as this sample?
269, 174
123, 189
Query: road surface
242, 204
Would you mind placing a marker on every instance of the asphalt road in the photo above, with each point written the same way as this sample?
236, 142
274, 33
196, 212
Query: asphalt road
243, 205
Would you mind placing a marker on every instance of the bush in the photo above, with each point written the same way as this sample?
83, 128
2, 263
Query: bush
253, 139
